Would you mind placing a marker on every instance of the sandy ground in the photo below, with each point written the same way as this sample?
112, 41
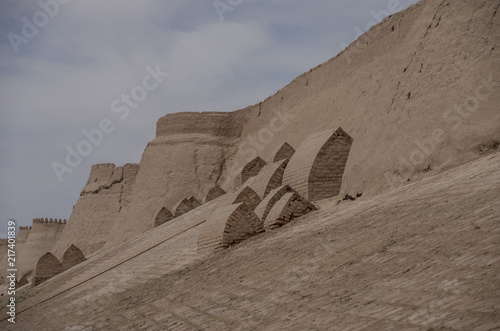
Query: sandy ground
423, 257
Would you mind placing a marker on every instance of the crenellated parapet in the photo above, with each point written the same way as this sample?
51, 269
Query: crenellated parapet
49, 220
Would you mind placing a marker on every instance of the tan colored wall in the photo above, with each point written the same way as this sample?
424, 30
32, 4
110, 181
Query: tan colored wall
393, 92
365, 90
101, 201
42, 239
186, 158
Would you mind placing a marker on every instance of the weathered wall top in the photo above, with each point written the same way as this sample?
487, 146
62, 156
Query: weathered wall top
224, 124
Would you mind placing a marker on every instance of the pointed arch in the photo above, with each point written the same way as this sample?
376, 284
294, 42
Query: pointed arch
251, 169
316, 169
249, 197
284, 153
72, 257
214, 193
164, 215
47, 267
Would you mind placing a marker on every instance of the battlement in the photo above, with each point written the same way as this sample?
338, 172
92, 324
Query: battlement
49, 220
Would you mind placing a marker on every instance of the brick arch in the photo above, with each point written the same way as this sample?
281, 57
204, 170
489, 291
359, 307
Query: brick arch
285, 152
251, 169
274, 196
214, 193
47, 267
249, 197
22, 281
315, 171
290, 206
72, 257
228, 226
164, 215
269, 178
186, 205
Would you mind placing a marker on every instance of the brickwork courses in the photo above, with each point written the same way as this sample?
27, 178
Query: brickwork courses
394, 262
265, 206
186, 205
164, 215
228, 226
290, 206
249, 197
214, 193
284, 153
269, 178
250, 170
315, 170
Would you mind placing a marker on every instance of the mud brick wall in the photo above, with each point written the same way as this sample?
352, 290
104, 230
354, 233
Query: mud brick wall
284, 153
315, 171
267, 204
214, 193
23, 234
164, 215
228, 226
289, 207
72, 257
248, 196
47, 267
43, 236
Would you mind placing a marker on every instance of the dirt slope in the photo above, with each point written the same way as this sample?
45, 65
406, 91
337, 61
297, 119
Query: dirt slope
426, 256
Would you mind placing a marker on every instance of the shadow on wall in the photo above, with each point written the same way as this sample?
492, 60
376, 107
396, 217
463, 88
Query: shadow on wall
48, 265
277, 193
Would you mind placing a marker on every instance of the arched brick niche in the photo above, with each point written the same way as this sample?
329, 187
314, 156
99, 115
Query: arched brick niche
251, 169
72, 256
290, 206
274, 196
214, 193
186, 205
47, 267
228, 226
269, 178
315, 171
22, 281
164, 215
284, 153
248, 196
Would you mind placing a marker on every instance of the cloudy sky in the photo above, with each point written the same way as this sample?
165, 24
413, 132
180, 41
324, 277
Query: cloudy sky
65, 64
